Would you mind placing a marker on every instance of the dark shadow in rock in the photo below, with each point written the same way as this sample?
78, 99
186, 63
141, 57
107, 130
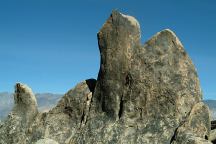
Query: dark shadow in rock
213, 124
91, 84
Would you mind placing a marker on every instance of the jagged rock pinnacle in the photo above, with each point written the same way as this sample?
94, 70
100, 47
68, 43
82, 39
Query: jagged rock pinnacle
117, 39
24, 95
22, 115
144, 94
25, 103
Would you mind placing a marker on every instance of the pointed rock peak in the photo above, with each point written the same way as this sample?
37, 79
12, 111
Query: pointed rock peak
167, 36
172, 34
24, 95
22, 88
117, 39
119, 22
131, 19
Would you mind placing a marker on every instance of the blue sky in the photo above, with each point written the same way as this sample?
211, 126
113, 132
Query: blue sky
51, 45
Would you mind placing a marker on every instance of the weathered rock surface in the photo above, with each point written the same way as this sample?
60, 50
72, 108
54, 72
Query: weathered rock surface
66, 118
212, 136
46, 141
144, 94
197, 125
24, 111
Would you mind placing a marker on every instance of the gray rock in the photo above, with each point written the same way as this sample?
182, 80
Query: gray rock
66, 118
197, 125
23, 113
46, 141
144, 94
212, 136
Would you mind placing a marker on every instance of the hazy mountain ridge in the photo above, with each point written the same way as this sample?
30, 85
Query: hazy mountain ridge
6, 104
45, 102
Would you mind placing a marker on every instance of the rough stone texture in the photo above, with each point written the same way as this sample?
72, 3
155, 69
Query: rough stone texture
69, 115
144, 94
196, 125
14, 129
58, 124
46, 141
212, 136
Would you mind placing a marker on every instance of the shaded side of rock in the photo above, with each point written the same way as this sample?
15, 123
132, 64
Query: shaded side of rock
213, 124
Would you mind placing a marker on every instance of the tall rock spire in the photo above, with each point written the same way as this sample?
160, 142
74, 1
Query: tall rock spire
118, 36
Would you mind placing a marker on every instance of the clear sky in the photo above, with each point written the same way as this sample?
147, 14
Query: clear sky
51, 45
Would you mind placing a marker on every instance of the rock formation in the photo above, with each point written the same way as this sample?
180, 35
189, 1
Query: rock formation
46, 141
196, 127
20, 119
144, 94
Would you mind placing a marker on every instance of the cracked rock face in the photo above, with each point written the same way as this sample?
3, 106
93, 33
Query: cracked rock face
144, 94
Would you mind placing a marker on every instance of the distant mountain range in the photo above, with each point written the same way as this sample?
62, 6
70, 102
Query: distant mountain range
48, 100
45, 102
